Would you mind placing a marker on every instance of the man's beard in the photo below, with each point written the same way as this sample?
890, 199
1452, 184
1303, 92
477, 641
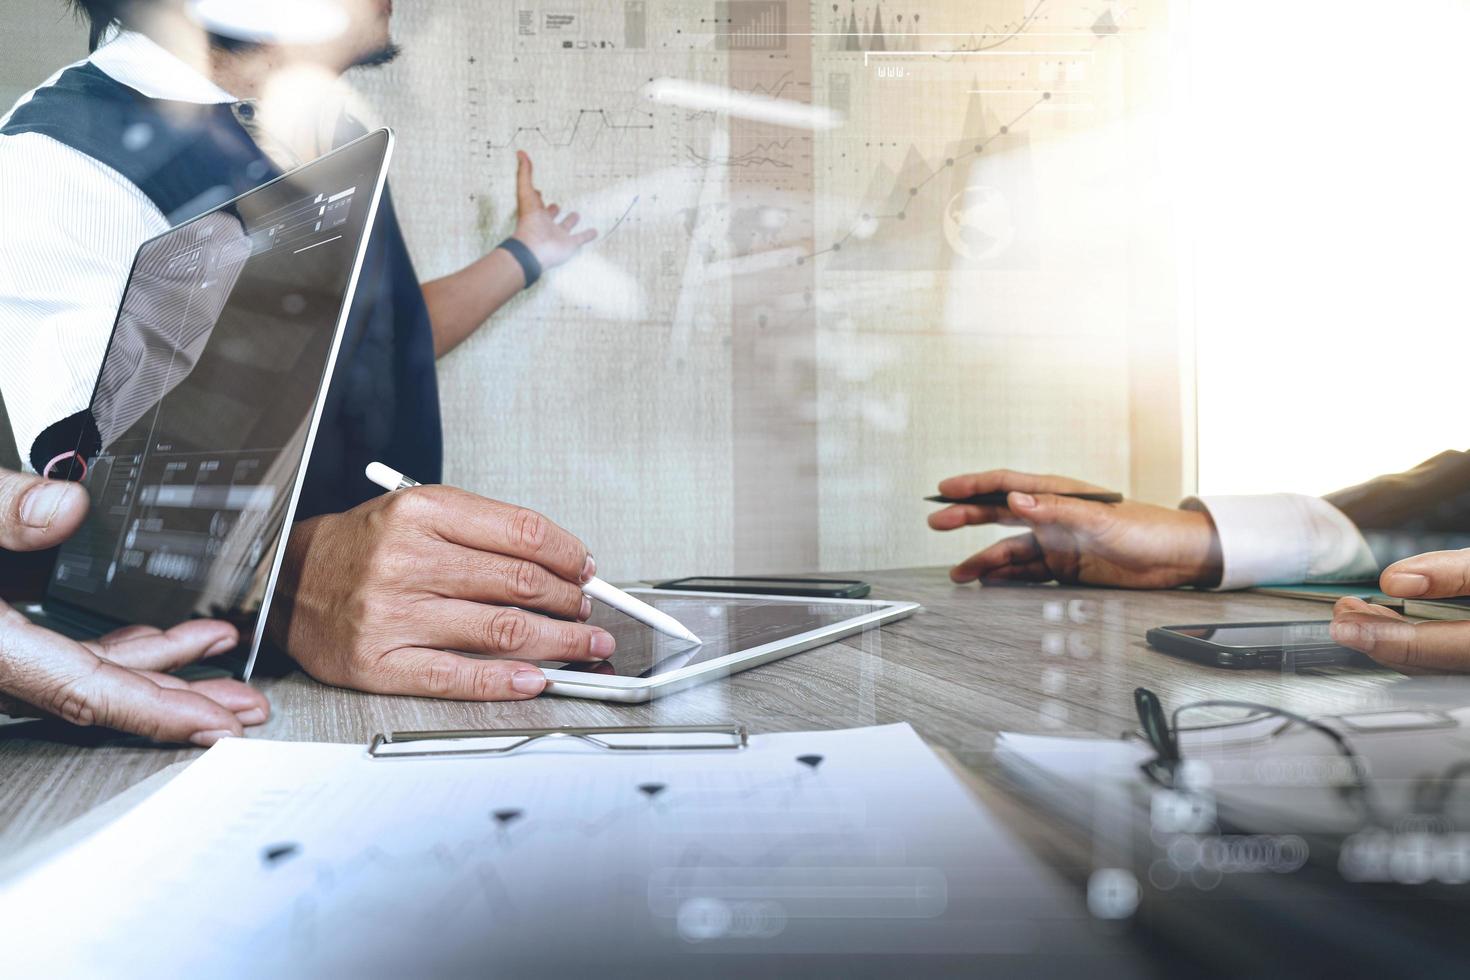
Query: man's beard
377, 57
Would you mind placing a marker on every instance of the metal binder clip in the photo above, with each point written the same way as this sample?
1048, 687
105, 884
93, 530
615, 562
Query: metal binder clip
658, 738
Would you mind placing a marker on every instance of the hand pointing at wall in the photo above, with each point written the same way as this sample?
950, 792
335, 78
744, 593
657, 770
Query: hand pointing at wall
552, 241
544, 238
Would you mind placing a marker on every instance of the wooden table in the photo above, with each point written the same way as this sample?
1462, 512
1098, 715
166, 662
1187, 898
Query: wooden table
975, 662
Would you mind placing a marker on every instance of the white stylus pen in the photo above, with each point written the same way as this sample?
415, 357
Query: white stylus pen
595, 588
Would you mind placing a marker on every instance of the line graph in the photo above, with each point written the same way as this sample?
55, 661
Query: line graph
782, 86
621, 218
590, 121
759, 155
870, 222
775, 89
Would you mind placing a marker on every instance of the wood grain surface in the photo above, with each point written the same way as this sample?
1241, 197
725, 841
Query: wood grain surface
974, 662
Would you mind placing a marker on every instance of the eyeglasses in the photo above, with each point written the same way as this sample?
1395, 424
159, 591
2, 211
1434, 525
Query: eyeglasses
473, 742
1162, 733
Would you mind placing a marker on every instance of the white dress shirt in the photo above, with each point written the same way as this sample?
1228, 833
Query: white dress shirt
1285, 539
72, 228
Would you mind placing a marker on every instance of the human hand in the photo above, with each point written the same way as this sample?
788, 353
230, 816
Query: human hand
1390, 639
117, 681
36, 513
551, 241
120, 681
380, 598
1137, 546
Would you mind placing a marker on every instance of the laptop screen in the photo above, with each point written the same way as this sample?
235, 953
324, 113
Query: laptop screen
208, 392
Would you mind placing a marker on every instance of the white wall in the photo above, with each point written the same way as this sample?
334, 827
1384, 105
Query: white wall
36, 38
893, 364
688, 399
1329, 197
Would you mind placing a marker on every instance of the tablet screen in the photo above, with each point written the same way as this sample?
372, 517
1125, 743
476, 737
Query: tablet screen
207, 392
726, 625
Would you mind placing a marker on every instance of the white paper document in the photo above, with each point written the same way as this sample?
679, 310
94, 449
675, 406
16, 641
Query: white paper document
297, 859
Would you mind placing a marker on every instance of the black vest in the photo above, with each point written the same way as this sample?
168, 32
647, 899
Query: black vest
186, 158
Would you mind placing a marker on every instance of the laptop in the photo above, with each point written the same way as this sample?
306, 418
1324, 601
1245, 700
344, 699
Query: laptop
208, 401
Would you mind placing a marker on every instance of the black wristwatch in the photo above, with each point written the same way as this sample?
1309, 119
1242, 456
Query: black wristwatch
529, 264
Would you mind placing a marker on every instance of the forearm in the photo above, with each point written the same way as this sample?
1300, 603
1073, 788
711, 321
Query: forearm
1423, 509
459, 302
294, 570
1433, 497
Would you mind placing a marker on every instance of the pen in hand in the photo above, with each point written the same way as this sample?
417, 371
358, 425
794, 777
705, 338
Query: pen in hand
594, 588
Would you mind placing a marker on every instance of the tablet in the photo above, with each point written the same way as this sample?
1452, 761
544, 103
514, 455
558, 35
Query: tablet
208, 398
739, 632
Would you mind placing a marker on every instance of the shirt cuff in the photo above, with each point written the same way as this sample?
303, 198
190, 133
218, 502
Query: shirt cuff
1285, 539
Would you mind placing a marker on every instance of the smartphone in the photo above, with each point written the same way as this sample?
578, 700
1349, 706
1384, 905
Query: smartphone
1244, 646
817, 588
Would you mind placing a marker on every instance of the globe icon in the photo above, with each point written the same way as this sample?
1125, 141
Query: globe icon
978, 224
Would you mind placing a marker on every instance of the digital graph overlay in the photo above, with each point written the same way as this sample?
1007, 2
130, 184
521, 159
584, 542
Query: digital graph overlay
869, 222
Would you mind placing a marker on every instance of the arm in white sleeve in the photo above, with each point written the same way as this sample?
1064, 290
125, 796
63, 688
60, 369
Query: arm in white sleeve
1285, 539
72, 227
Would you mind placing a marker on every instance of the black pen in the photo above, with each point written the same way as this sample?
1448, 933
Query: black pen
998, 498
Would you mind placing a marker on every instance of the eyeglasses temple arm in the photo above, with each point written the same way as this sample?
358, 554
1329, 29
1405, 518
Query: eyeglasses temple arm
1156, 725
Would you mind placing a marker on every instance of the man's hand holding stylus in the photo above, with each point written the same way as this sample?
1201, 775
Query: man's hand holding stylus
1390, 639
121, 680
1132, 545
390, 596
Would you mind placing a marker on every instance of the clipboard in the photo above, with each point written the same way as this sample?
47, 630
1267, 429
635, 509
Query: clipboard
471, 742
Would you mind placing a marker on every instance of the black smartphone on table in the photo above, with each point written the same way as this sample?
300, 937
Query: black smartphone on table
825, 588
1245, 646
